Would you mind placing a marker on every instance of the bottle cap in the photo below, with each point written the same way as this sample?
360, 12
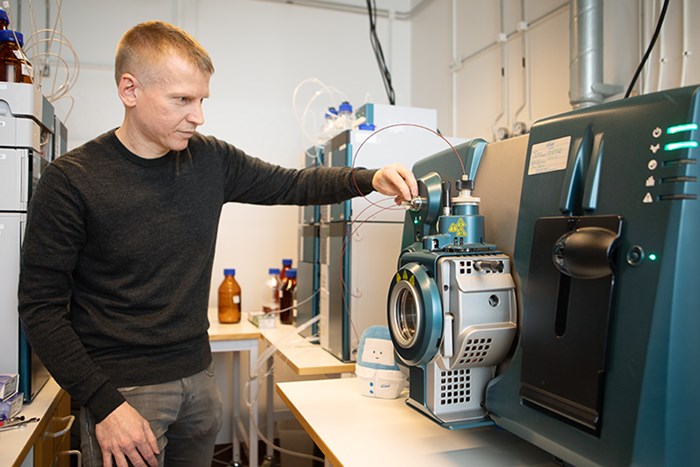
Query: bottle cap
9, 36
331, 112
345, 107
291, 273
274, 271
366, 126
229, 272
286, 262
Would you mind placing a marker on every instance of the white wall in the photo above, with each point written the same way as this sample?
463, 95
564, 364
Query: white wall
478, 93
266, 51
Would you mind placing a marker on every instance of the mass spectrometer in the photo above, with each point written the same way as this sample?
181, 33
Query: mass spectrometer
568, 313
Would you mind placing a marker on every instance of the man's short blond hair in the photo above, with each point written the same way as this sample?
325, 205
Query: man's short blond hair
147, 43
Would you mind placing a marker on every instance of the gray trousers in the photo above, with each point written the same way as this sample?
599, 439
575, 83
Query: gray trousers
185, 416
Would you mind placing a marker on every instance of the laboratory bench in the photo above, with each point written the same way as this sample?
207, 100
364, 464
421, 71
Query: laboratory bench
46, 442
356, 430
39, 444
302, 356
349, 428
236, 338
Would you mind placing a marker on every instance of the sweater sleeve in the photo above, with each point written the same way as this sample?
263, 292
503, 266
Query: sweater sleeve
54, 235
252, 180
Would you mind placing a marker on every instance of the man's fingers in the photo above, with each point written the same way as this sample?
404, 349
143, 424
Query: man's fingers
409, 179
119, 460
151, 438
125, 433
136, 458
395, 180
149, 448
399, 184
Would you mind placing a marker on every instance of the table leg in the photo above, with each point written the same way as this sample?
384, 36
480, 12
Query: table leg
253, 415
237, 401
270, 405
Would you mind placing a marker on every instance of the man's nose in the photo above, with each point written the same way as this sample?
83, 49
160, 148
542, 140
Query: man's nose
196, 116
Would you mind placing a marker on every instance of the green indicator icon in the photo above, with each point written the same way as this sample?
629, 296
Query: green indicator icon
672, 130
680, 145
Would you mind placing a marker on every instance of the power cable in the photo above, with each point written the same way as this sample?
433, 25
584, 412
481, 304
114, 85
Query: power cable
378, 52
659, 23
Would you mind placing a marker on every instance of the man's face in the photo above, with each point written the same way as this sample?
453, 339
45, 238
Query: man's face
169, 104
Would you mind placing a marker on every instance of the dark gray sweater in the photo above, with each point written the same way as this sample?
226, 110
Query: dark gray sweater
118, 252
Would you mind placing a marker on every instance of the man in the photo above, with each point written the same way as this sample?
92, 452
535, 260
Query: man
118, 252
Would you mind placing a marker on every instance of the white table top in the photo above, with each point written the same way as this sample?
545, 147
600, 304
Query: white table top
244, 329
16, 444
355, 430
304, 357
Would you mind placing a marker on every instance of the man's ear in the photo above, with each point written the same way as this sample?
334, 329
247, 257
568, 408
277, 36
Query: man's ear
127, 88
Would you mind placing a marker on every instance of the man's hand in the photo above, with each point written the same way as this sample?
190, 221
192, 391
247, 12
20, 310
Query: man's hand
395, 180
125, 434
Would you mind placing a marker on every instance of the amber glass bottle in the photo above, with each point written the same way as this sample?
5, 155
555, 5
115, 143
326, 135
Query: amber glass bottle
287, 298
229, 298
14, 66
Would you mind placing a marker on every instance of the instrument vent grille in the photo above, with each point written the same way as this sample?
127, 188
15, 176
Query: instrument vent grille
455, 387
476, 350
466, 267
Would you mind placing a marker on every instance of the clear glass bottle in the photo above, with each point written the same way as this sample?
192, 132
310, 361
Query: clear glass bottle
14, 66
271, 294
329, 128
229, 298
288, 297
346, 118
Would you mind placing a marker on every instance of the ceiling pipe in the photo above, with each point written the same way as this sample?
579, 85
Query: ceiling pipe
586, 87
361, 10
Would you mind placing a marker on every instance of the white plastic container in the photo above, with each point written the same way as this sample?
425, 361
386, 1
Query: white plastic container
383, 384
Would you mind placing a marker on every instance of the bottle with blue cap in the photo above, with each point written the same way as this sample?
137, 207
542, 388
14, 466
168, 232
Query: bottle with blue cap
229, 298
271, 297
345, 116
288, 297
329, 129
14, 65
286, 265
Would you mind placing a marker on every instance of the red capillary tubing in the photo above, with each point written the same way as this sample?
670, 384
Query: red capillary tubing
461, 163
352, 231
